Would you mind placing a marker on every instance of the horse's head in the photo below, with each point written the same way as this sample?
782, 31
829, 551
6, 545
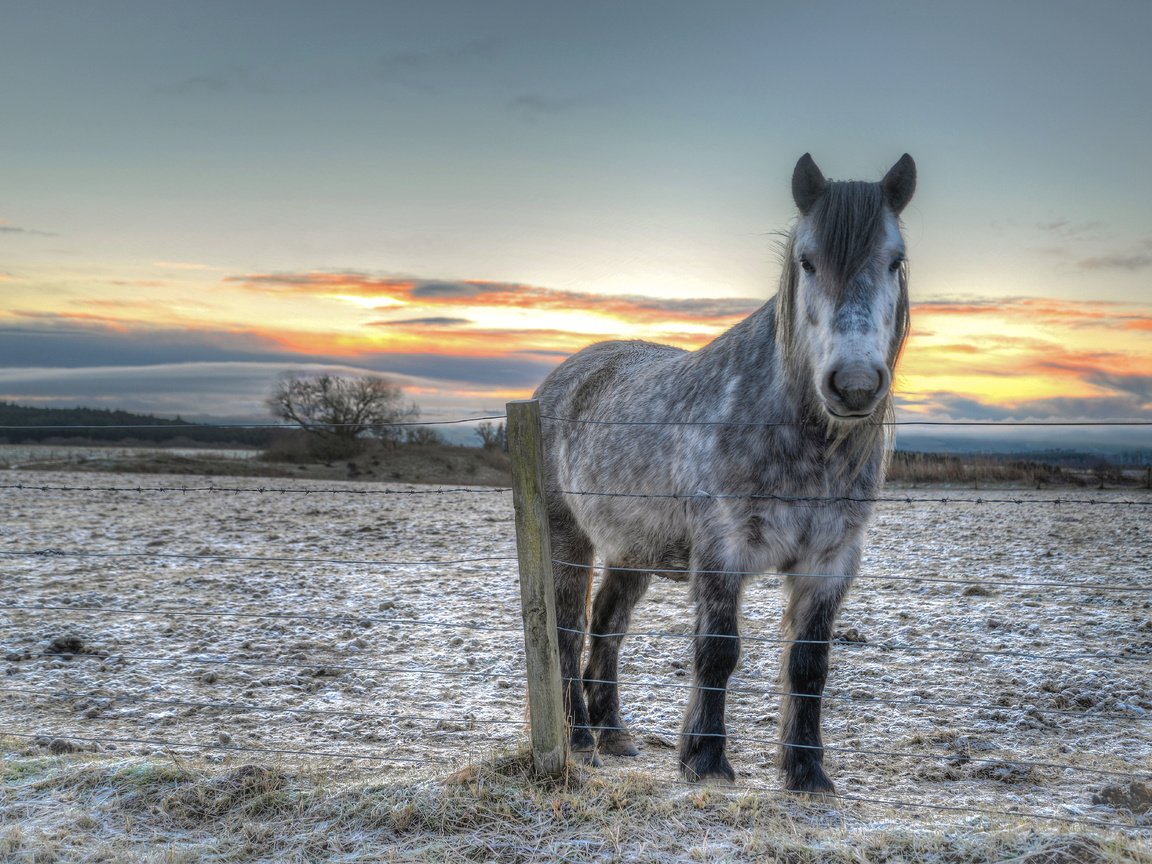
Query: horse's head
845, 297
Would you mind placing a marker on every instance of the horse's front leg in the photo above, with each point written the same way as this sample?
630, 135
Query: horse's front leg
717, 647
813, 602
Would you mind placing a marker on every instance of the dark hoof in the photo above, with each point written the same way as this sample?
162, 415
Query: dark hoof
708, 769
586, 756
617, 742
809, 780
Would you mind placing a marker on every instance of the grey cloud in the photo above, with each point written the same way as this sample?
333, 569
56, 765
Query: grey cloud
533, 106
700, 307
1136, 385
422, 70
31, 232
48, 344
1132, 262
216, 374
1067, 228
1118, 407
446, 289
211, 83
422, 322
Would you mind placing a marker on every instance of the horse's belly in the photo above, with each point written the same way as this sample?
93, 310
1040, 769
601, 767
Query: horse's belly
637, 533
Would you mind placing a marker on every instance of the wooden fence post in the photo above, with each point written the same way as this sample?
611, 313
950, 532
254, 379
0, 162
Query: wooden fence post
537, 590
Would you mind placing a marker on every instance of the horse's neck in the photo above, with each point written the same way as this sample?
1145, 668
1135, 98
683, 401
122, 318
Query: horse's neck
775, 388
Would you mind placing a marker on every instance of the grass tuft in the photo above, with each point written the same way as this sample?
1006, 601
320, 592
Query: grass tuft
83, 806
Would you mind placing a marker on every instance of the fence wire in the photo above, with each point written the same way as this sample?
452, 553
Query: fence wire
482, 729
348, 617
468, 724
328, 664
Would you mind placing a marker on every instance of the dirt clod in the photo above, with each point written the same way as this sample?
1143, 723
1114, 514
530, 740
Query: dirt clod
67, 644
1134, 796
60, 746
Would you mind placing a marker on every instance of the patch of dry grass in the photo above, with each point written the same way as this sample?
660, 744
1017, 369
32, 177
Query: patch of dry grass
98, 808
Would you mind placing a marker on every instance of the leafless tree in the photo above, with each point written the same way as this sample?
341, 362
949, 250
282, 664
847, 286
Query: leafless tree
492, 437
341, 412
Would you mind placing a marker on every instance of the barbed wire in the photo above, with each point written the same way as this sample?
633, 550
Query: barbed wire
685, 572
201, 427
172, 746
913, 805
1068, 657
1015, 816
263, 559
178, 745
261, 490
476, 676
174, 426
862, 646
275, 664
284, 616
338, 666
703, 497
864, 700
696, 497
128, 700
674, 572
480, 675
469, 723
787, 423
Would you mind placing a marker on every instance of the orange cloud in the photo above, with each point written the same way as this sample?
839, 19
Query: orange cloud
1009, 351
1041, 310
504, 295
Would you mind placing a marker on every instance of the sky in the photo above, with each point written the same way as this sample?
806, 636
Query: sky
196, 198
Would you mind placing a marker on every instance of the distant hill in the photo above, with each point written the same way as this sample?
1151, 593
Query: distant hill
20, 424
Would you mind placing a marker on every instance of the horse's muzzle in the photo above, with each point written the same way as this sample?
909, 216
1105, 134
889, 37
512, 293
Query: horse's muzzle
853, 391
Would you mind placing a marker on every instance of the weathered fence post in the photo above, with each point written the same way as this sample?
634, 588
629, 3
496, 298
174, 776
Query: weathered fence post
537, 591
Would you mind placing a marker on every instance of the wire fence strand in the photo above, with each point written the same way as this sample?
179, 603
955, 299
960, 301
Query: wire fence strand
202, 746
965, 651
466, 725
123, 702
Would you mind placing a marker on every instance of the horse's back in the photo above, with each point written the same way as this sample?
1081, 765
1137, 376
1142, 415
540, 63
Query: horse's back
591, 384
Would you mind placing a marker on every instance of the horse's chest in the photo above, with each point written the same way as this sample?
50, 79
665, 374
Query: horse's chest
783, 534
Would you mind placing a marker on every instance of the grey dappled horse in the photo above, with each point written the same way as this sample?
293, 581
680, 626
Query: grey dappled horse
789, 404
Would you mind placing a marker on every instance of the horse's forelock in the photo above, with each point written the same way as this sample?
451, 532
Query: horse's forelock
848, 223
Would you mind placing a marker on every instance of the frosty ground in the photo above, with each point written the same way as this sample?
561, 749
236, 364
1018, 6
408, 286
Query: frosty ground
991, 669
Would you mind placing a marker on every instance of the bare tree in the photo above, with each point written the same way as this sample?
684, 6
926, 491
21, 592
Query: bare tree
492, 437
341, 412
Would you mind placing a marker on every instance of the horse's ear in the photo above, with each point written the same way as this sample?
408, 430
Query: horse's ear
899, 184
808, 183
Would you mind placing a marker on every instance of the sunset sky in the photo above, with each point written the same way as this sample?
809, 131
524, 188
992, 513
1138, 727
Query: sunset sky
196, 197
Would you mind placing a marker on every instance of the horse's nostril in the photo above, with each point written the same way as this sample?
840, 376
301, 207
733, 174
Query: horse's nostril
857, 386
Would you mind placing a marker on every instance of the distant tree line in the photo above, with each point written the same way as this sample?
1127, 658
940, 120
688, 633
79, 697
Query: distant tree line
20, 424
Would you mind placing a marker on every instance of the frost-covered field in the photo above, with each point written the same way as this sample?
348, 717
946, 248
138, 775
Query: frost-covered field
989, 658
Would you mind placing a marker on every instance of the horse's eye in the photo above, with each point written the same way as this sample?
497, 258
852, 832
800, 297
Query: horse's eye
806, 265
896, 262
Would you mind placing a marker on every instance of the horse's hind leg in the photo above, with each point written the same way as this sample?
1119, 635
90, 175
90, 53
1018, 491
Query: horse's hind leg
812, 605
572, 573
619, 592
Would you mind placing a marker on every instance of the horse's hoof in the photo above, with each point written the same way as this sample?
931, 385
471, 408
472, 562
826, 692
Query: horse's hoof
702, 769
618, 743
586, 756
810, 781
